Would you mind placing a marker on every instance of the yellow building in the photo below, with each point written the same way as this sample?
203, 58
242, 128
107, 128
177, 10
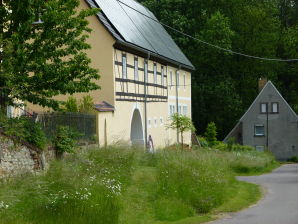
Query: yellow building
145, 77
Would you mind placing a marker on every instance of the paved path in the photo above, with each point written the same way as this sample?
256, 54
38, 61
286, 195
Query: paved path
280, 205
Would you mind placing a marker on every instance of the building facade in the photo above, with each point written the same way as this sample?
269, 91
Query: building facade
145, 77
269, 123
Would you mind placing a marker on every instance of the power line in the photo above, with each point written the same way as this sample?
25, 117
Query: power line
207, 43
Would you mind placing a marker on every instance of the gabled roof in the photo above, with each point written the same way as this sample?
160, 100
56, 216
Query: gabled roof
131, 27
266, 88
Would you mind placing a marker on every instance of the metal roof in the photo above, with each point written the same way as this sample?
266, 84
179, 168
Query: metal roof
134, 28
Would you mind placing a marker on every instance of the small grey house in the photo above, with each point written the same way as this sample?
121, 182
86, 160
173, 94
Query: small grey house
270, 123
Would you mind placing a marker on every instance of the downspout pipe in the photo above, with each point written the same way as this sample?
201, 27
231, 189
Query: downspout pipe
177, 100
145, 98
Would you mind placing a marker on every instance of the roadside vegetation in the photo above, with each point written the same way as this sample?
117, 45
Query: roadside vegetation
127, 186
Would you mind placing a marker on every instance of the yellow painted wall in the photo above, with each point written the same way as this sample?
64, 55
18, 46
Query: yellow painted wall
102, 57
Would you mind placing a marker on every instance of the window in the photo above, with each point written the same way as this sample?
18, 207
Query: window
136, 69
264, 107
124, 67
161, 121
162, 75
149, 123
179, 109
178, 80
184, 110
184, 81
275, 108
260, 148
172, 110
171, 79
155, 73
259, 130
155, 122
146, 71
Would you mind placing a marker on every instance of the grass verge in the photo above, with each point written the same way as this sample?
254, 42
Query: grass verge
128, 186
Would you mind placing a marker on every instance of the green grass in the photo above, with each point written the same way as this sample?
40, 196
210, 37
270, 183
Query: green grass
128, 186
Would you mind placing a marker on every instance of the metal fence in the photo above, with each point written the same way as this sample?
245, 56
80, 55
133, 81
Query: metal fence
85, 124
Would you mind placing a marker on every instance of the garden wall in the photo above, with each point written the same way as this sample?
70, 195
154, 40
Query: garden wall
16, 159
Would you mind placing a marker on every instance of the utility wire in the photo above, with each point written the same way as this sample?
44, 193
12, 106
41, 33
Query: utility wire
207, 43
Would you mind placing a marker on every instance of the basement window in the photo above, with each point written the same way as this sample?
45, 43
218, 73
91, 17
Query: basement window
259, 130
260, 148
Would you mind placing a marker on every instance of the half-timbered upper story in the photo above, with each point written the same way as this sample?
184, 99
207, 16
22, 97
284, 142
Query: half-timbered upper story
147, 64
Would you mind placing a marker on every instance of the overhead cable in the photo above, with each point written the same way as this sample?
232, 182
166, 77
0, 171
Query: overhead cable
207, 43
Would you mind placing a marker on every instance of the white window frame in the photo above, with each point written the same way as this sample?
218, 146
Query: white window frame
161, 121
136, 65
273, 108
124, 66
178, 80
255, 130
146, 71
155, 122
149, 123
264, 108
155, 73
185, 110
162, 75
260, 148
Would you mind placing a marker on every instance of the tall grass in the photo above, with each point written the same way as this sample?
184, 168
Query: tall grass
126, 186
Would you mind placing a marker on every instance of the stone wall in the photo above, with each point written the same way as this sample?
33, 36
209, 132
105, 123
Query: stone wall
17, 158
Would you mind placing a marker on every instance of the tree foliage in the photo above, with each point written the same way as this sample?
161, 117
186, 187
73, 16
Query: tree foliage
211, 134
40, 61
224, 84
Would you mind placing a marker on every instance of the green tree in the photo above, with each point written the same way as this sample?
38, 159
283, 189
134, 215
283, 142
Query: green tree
71, 105
86, 105
48, 58
182, 124
211, 134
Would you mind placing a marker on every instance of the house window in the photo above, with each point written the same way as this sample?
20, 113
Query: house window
184, 110
149, 123
259, 130
171, 79
155, 122
260, 148
178, 80
162, 75
136, 69
275, 108
179, 110
124, 67
172, 110
155, 73
184, 81
161, 121
146, 71
264, 107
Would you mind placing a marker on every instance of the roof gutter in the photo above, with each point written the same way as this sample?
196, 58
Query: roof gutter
144, 53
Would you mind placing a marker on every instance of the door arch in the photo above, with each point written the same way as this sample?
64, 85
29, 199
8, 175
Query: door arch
136, 134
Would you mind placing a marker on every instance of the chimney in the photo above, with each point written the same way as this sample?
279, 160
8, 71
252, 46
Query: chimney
262, 83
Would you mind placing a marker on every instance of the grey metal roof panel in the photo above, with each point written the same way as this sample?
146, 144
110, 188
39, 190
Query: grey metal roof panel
140, 30
105, 21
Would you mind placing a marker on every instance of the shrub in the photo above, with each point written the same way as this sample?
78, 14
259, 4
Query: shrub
25, 129
211, 134
293, 159
65, 140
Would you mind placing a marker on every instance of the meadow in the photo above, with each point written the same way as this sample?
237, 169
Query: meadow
121, 185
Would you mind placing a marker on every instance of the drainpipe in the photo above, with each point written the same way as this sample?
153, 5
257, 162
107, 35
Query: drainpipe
145, 98
177, 101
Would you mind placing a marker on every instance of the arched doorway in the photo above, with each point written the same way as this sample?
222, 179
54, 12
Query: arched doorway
136, 134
